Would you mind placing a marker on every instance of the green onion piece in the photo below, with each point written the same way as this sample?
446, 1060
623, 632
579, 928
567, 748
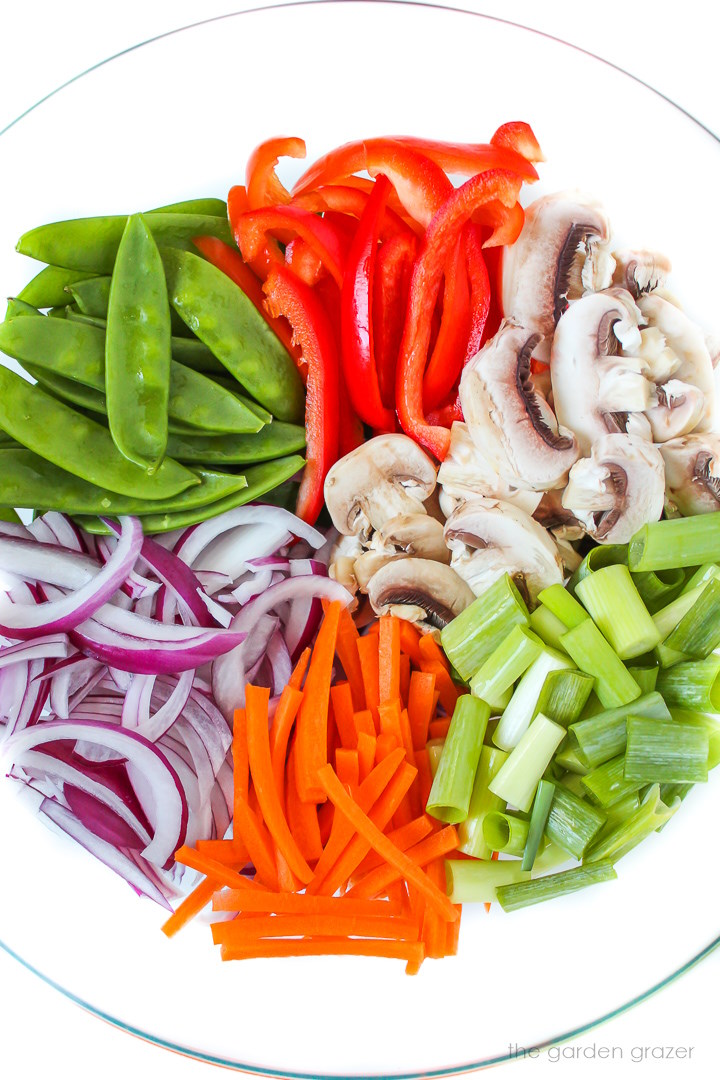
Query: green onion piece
505, 832
482, 803
693, 684
709, 724
475, 634
516, 718
596, 559
525, 893
704, 573
658, 589
452, 787
670, 792
645, 677
567, 758
573, 823
617, 609
547, 626
668, 617
549, 858
434, 749
571, 781
667, 658
614, 685
518, 778
607, 785
505, 665
698, 632
475, 882
603, 736
650, 815
538, 818
664, 545
666, 752
619, 811
564, 695
563, 605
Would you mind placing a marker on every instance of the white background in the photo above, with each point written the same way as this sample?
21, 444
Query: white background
673, 48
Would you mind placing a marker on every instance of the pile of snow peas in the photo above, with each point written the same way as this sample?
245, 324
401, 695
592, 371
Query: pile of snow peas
159, 389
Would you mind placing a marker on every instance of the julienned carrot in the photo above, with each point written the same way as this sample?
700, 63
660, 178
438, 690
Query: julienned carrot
342, 703
232, 853
404, 837
287, 882
312, 719
433, 931
439, 728
404, 676
363, 721
241, 769
433, 660
389, 659
452, 934
411, 951
366, 753
426, 851
422, 764
258, 843
347, 650
282, 725
222, 875
347, 766
410, 641
385, 744
296, 679
368, 649
431, 652
302, 817
267, 903
193, 903
256, 711
420, 706
241, 931
389, 714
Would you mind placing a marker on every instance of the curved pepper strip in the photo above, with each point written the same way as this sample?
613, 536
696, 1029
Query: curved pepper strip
446, 415
468, 159
358, 355
440, 237
519, 136
303, 261
506, 223
313, 333
237, 204
352, 433
480, 291
393, 269
447, 358
261, 181
350, 200
252, 229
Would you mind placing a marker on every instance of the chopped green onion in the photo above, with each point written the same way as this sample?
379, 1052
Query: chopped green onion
549, 858
470, 881
538, 818
573, 823
547, 626
607, 785
694, 684
668, 657
516, 718
645, 677
668, 617
434, 751
617, 609
571, 781
476, 632
482, 803
596, 559
670, 792
698, 632
505, 665
525, 893
564, 695
518, 778
666, 752
650, 815
505, 832
567, 758
603, 736
709, 724
658, 589
452, 787
614, 685
704, 573
619, 811
563, 605
664, 545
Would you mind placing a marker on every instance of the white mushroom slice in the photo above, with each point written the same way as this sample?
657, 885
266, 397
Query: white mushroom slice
403, 536
677, 412
489, 538
466, 473
658, 361
620, 487
386, 476
368, 564
506, 417
692, 473
640, 271
419, 590
591, 381
542, 270
552, 515
687, 341
341, 567
598, 269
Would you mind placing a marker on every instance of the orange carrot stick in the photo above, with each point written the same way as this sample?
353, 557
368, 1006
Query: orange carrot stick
193, 903
222, 875
404, 676
433, 931
430, 652
241, 769
369, 661
302, 817
296, 679
389, 715
232, 853
312, 718
385, 744
422, 764
410, 641
347, 766
287, 882
342, 703
438, 729
366, 753
426, 851
420, 706
363, 721
452, 934
242, 931
255, 838
411, 951
389, 659
282, 725
404, 837
349, 657
300, 904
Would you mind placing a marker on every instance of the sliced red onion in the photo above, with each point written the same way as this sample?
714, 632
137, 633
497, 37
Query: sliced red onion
269, 562
54, 645
65, 530
163, 719
136, 705
203, 770
279, 660
122, 679
14, 682
14, 528
200, 817
257, 584
65, 614
42, 532
220, 813
33, 698
47, 562
212, 581
92, 676
145, 606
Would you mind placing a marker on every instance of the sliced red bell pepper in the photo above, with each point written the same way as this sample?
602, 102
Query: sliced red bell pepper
345, 199
393, 269
261, 181
446, 415
506, 222
252, 231
447, 358
358, 353
352, 433
468, 159
303, 261
237, 204
480, 290
519, 136
313, 332
440, 237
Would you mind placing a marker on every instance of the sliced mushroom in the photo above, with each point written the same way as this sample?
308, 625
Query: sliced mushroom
678, 411
542, 270
620, 487
419, 590
341, 567
659, 362
489, 538
403, 536
640, 271
692, 473
466, 473
552, 515
508, 420
591, 381
386, 476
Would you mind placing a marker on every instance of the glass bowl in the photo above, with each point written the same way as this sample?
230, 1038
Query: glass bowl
177, 118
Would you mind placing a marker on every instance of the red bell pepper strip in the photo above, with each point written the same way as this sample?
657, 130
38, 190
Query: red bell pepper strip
358, 354
468, 159
230, 261
446, 415
506, 222
303, 261
352, 433
519, 136
440, 237
313, 332
346, 199
393, 269
480, 291
237, 204
447, 358
252, 229
261, 181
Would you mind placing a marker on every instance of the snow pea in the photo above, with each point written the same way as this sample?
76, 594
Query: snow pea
28, 480
220, 314
186, 348
17, 307
260, 480
77, 351
137, 349
91, 244
215, 207
49, 287
275, 440
79, 445
8, 514
91, 297
72, 393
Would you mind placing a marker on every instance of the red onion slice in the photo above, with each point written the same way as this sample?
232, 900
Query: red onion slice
136, 705
65, 530
47, 562
224, 559
161, 721
54, 645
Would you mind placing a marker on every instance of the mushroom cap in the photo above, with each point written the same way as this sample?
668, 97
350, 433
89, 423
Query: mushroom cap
419, 590
620, 487
386, 476
508, 419
489, 538
692, 473
412, 534
466, 473
539, 267
640, 271
678, 411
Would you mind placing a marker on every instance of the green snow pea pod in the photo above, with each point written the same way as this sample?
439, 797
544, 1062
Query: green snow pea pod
17, 307
275, 440
186, 350
137, 349
92, 296
214, 207
91, 244
72, 393
28, 480
79, 445
221, 315
49, 287
8, 514
58, 313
